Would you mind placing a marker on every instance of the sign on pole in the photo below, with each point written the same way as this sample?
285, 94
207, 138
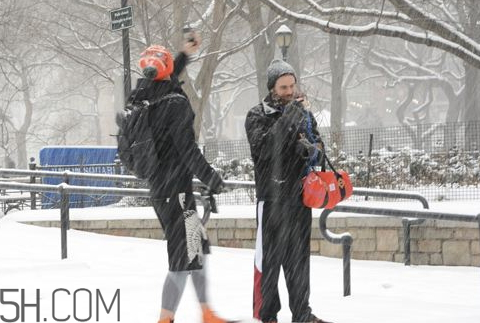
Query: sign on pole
121, 18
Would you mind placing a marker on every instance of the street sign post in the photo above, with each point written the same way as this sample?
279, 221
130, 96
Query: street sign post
121, 18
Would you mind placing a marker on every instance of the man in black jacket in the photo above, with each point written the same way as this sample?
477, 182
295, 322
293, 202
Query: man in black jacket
283, 141
177, 159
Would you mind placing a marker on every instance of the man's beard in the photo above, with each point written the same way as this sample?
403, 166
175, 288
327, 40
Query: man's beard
281, 100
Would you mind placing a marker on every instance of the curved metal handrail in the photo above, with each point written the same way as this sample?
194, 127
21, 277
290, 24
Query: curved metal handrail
361, 191
346, 239
329, 235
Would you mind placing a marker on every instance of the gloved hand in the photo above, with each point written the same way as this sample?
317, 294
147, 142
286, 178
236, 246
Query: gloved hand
216, 184
304, 148
192, 42
294, 112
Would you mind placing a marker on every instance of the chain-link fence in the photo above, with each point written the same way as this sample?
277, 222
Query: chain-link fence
430, 138
441, 161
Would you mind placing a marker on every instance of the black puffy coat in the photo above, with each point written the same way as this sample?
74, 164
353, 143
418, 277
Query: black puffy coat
273, 136
178, 156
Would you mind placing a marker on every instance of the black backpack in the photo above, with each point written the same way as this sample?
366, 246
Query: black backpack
136, 148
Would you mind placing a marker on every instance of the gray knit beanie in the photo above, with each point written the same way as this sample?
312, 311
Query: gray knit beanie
277, 69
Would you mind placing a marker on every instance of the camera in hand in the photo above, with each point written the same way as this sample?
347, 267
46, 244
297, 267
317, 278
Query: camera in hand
188, 34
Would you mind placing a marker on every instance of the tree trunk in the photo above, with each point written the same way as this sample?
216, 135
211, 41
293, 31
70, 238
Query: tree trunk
21, 134
455, 104
472, 78
98, 133
145, 21
180, 17
96, 116
337, 52
263, 47
21, 141
205, 76
293, 55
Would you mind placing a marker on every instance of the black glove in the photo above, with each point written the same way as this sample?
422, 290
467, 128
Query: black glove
294, 112
305, 148
216, 184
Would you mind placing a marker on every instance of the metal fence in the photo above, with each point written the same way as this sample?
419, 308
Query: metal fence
66, 191
441, 161
430, 138
49, 199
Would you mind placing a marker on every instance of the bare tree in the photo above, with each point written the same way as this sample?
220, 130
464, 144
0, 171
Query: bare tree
452, 27
442, 36
23, 65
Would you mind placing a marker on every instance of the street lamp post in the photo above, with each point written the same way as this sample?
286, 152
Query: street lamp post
283, 37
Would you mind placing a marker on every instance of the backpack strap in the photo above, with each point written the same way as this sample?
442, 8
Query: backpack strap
168, 96
147, 103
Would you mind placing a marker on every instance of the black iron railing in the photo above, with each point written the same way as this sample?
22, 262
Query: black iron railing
346, 238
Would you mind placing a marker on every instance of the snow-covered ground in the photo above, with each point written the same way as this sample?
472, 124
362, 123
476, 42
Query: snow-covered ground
381, 291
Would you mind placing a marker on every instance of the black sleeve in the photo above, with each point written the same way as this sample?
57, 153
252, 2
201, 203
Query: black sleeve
181, 61
281, 136
316, 135
181, 121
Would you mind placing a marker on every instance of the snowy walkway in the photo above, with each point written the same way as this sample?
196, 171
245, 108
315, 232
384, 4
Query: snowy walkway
381, 292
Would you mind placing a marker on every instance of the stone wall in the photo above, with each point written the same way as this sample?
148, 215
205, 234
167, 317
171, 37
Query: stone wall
374, 238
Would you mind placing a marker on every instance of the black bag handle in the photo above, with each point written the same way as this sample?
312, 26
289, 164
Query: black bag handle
323, 152
325, 158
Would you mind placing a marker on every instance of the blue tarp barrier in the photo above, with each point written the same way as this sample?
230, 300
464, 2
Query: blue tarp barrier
87, 159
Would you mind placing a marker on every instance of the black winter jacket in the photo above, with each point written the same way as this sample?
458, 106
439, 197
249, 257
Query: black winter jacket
178, 156
273, 133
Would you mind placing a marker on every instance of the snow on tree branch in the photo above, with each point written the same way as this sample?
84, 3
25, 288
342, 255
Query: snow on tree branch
359, 12
430, 22
204, 17
375, 28
427, 74
242, 44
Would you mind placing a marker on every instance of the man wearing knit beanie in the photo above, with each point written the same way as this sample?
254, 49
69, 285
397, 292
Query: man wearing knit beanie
277, 69
277, 131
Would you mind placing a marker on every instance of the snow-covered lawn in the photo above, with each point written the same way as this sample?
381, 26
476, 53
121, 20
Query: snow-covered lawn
381, 291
